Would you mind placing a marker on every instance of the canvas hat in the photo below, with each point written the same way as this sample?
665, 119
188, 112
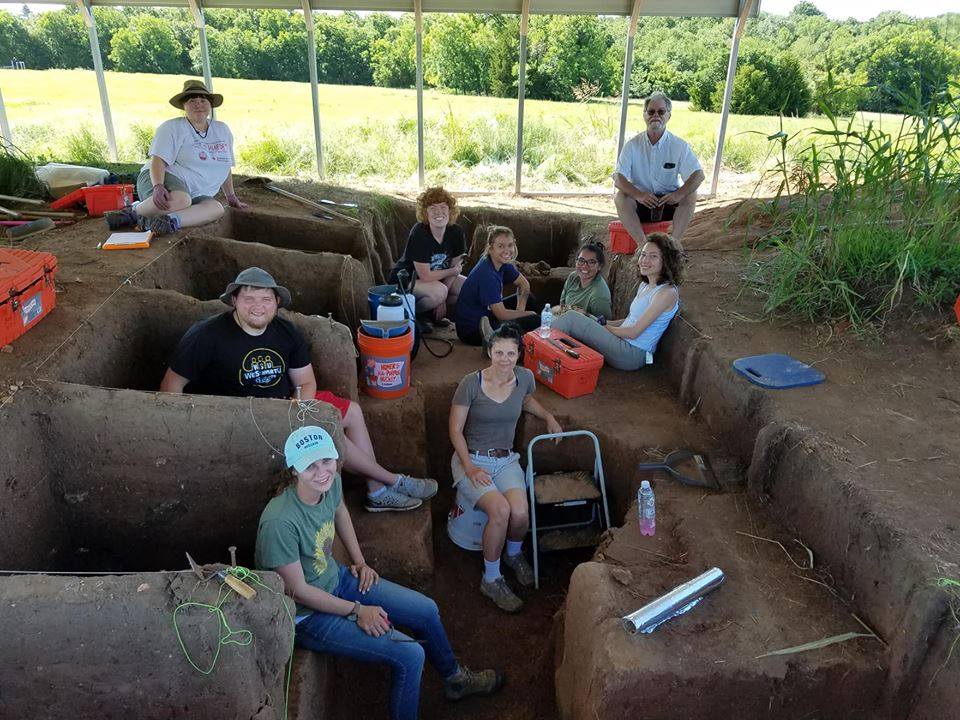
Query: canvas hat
255, 277
195, 87
308, 444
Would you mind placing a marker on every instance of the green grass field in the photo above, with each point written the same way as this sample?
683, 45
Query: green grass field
369, 133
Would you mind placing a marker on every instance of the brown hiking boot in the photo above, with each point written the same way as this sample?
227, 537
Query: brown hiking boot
468, 682
501, 594
521, 568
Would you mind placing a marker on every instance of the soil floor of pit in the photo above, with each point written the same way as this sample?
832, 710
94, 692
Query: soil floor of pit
891, 406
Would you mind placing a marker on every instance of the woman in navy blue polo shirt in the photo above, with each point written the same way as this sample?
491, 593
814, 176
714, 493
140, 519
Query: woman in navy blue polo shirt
481, 305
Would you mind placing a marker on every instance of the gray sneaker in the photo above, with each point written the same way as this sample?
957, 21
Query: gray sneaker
159, 224
392, 501
468, 682
501, 594
125, 217
486, 330
423, 488
521, 568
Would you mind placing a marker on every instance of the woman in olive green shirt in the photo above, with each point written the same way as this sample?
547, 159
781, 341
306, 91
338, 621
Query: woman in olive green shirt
585, 289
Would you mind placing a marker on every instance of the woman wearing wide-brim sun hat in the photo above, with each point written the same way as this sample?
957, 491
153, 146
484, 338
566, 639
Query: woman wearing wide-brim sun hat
190, 161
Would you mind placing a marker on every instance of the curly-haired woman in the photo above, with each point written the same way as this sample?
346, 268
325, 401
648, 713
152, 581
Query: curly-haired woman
629, 344
434, 253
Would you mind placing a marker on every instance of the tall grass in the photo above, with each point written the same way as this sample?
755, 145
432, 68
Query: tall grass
867, 219
369, 133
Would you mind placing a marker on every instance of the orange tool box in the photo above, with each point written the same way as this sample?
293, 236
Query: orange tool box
563, 364
99, 199
620, 240
26, 291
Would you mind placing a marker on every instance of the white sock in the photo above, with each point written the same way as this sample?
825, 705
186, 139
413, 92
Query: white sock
491, 570
377, 493
514, 547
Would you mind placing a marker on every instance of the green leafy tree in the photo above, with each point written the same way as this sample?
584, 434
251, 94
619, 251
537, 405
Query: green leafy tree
65, 38
908, 70
505, 56
343, 50
393, 57
767, 83
566, 52
457, 52
147, 44
807, 9
15, 41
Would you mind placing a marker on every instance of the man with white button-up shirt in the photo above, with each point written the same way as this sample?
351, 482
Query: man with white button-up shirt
651, 168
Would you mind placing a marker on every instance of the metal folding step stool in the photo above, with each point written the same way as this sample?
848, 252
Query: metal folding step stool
575, 508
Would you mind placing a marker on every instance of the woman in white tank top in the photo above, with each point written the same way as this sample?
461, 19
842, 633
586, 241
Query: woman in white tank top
629, 344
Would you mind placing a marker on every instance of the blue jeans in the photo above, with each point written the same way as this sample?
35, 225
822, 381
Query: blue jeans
326, 633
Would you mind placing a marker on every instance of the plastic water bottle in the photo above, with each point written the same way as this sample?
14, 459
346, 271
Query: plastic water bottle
648, 509
546, 320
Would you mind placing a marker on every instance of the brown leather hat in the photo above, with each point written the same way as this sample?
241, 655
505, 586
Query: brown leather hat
192, 88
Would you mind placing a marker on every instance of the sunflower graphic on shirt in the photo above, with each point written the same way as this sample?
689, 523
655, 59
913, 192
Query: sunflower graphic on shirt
323, 547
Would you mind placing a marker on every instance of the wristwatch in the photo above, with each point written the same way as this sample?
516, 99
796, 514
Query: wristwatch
354, 614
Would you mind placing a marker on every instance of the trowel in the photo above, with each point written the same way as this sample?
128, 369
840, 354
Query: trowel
235, 583
696, 471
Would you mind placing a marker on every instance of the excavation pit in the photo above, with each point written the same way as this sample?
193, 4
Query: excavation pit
321, 283
128, 344
104, 475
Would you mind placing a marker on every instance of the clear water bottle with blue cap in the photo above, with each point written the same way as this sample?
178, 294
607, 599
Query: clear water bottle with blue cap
546, 320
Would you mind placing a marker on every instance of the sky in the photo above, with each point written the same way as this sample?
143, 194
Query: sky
866, 9
836, 9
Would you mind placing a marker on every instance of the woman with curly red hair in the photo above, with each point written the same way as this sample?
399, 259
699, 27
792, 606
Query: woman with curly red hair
434, 254
629, 344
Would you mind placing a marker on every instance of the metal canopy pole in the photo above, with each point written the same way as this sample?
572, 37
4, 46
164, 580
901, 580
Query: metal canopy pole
84, 6
521, 91
200, 21
314, 87
738, 27
627, 69
6, 139
421, 163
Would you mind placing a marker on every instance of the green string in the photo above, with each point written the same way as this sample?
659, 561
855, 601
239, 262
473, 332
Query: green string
229, 636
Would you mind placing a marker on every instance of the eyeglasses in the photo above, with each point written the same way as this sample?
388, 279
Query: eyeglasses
585, 261
659, 111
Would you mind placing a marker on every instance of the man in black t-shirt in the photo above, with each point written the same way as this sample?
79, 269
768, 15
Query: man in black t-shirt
251, 352
434, 254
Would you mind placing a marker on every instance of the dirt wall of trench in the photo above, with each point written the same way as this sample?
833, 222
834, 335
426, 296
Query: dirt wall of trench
137, 489
320, 283
31, 533
123, 659
128, 344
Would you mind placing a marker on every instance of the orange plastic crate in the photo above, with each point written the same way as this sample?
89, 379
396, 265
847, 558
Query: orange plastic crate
620, 240
548, 360
104, 198
26, 291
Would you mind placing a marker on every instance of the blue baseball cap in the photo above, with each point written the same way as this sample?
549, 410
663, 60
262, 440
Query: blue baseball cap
307, 445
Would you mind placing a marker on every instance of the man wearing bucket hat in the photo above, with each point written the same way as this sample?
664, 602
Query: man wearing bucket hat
349, 610
249, 351
190, 161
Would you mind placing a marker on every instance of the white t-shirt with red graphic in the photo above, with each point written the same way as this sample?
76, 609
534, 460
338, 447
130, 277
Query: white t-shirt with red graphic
203, 163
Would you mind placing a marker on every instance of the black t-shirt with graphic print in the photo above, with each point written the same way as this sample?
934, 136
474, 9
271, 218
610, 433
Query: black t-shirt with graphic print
219, 358
421, 247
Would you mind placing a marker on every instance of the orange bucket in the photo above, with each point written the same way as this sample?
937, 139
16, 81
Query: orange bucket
385, 364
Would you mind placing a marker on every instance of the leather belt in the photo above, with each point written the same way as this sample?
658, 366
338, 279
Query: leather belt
492, 452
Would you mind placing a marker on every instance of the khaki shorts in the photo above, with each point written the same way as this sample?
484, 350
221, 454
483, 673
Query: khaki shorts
170, 181
505, 472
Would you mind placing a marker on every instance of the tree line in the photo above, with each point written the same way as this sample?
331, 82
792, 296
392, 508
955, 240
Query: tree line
787, 63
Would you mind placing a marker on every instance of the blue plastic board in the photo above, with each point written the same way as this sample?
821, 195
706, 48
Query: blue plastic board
777, 372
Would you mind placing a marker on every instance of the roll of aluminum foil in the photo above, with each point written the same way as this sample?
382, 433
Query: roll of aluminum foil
676, 602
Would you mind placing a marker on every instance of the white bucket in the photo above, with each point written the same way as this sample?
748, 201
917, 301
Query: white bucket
465, 524
400, 312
